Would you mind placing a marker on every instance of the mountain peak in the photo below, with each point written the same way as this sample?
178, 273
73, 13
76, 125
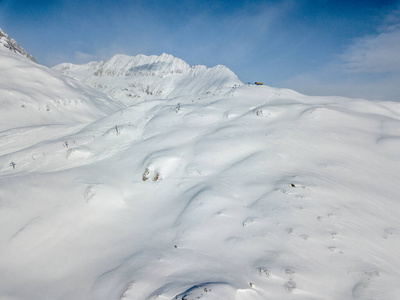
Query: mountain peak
13, 46
141, 77
142, 65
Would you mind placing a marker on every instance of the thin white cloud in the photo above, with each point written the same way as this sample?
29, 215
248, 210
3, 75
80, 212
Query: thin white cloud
231, 37
369, 68
374, 54
81, 57
377, 89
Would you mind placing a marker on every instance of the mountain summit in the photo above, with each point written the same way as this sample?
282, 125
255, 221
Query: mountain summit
141, 77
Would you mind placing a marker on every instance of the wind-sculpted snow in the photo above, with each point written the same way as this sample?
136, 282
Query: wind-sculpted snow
251, 193
132, 79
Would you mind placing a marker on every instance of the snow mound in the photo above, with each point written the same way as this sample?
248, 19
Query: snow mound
136, 78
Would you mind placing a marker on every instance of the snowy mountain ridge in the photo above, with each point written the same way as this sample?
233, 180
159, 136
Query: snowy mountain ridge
136, 78
13, 46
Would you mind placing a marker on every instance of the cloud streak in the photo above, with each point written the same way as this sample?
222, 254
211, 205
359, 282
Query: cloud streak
374, 54
369, 67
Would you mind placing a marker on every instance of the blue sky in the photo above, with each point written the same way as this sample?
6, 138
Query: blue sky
317, 47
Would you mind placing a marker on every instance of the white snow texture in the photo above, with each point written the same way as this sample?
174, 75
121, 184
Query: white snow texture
188, 184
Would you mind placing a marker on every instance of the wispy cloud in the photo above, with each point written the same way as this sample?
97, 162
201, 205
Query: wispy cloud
379, 53
229, 38
369, 67
374, 54
348, 86
81, 57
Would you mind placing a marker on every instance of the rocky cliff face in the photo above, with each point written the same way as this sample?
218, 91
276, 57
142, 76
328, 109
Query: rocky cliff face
131, 79
13, 46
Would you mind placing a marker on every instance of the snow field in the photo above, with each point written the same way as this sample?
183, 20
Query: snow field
254, 193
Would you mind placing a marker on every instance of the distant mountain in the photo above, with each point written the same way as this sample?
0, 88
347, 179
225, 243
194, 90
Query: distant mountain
135, 78
13, 46
32, 94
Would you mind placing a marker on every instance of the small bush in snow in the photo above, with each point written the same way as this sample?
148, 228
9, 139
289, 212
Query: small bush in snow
156, 177
145, 175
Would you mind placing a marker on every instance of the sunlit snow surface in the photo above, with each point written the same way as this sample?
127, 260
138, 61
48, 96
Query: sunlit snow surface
246, 193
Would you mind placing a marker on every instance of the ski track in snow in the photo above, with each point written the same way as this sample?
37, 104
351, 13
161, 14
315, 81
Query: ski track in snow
247, 193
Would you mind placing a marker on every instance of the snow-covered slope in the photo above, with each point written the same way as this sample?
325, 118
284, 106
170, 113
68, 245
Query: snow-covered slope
32, 94
131, 79
252, 193
245, 192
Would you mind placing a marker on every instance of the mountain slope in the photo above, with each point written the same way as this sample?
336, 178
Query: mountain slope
13, 46
31, 94
135, 78
254, 193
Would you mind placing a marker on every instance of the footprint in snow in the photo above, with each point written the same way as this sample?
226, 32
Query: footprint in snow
263, 272
303, 236
207, 290
368, 287
290, 285
247, 222
88, 194
389, 232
